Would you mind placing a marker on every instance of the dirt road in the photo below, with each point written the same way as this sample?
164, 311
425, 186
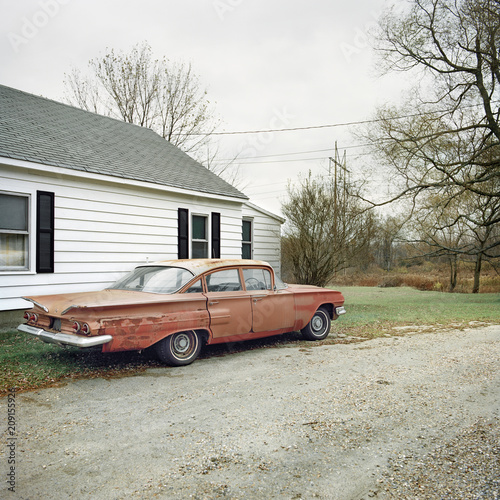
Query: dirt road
332, 422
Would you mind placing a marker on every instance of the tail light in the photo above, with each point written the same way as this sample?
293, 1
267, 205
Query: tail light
78, 328
30, 317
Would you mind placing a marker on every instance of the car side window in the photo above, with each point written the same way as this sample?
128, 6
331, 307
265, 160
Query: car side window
227, 280
257, 279
195, 288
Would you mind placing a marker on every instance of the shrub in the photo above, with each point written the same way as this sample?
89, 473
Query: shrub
419, 282
391, 281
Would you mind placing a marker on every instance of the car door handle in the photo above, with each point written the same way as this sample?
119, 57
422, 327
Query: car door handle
258, 297
213, 303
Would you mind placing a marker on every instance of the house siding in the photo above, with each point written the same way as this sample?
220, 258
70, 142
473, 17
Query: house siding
104, 229
266, 244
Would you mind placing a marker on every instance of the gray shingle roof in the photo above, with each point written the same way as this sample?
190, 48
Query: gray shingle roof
51, 133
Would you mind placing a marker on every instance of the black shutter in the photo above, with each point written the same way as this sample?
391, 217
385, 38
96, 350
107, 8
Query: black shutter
44, 232
183, 234
215, 235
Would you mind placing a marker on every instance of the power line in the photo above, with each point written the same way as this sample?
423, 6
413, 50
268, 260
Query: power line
332, 125
236, 159
244, 161
283, 161
293, 129
294, 160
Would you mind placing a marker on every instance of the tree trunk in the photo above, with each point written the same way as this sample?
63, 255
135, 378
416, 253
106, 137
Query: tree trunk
477, 273
453, 272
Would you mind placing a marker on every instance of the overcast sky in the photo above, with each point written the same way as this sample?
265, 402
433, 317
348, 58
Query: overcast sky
267, 64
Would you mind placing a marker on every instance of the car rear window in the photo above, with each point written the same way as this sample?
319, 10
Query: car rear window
154, 279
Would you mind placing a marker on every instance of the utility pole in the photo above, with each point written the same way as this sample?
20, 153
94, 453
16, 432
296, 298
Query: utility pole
339, 203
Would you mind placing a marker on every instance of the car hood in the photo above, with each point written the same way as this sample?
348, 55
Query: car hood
60, 304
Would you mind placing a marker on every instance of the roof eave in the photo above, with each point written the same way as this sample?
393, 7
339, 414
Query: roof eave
84, 174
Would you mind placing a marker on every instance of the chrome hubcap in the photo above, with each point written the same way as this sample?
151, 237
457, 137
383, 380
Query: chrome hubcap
317, 323
181, 343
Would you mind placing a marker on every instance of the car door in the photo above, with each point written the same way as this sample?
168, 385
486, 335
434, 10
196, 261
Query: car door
229, 306
272, 310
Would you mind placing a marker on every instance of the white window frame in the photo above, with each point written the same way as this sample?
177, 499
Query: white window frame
207, 233
29, 235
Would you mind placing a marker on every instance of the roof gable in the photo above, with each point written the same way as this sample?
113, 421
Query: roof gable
48, 132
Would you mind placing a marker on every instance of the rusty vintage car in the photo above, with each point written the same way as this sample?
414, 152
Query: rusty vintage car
179, 305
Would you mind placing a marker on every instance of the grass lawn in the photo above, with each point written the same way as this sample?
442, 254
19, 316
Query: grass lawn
369, 305
27, 363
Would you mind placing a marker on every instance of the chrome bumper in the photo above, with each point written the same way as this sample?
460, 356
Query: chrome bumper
340, 310
64, 338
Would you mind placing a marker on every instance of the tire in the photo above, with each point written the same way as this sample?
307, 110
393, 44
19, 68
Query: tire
319, 326
179, 349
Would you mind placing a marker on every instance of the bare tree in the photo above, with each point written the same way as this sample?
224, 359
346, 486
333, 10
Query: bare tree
386, 240
440, 233
325, 229
452, 47
155, 93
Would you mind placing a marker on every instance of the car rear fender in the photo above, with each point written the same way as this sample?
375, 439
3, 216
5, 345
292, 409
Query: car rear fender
137, 333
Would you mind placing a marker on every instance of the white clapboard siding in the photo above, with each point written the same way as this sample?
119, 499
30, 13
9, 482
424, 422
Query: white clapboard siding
266, 235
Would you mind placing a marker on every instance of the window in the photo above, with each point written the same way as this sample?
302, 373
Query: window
279, 283
224, 281
199, 240
14, 232
247, 250
205, 236
153, 279
257, 279
196, 287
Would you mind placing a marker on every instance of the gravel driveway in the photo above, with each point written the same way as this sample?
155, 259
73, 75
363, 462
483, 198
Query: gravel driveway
397, 417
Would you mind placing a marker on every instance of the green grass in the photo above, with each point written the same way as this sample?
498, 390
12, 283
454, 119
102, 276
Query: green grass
372, 311
27, 363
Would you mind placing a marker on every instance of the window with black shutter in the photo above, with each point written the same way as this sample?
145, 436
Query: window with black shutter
44, 232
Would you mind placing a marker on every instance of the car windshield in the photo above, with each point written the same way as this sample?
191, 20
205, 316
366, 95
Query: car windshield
279, 283
154, 279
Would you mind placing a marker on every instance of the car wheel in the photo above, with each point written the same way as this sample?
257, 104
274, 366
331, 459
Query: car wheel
179, 349
319, 326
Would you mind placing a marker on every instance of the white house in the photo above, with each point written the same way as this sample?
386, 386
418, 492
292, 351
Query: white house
85, 198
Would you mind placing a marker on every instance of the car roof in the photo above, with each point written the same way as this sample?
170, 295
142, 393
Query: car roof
200, 266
